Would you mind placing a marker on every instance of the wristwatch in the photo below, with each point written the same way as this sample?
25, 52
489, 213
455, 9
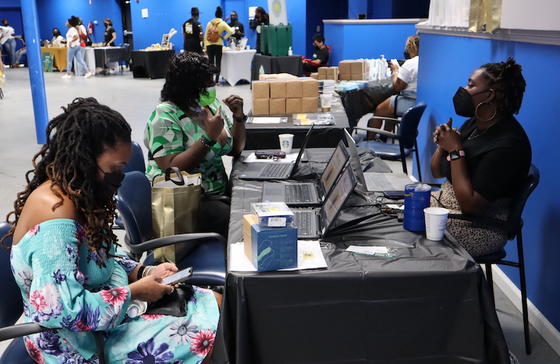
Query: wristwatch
241, 119
455, 154
206, 141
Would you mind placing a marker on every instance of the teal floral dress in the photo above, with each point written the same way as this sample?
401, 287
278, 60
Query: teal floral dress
63, 288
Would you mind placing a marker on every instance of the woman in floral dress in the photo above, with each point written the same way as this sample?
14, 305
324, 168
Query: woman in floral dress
64, 256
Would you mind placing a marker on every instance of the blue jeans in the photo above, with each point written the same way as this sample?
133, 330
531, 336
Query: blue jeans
10, 47
19, 54
78, 53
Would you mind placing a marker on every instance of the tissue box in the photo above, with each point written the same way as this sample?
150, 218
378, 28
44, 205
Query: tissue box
272, 248
277, 106
277, 89
261, 90
260, 107
294, 89
310, 87
309, 104
293, 106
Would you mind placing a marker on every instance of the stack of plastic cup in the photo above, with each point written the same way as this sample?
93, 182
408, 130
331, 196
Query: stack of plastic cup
416, 199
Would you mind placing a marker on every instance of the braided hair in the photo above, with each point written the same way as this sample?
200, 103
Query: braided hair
507, 81
75, 139
188, 76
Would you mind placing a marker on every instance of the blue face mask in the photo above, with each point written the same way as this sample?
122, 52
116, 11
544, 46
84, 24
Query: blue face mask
207, 97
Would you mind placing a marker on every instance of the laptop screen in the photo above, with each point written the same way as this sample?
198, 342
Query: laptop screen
354, 158
334, 167
338, 196
302, 149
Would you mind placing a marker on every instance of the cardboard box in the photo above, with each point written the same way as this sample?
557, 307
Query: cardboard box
277, 76
293, 106
277, 106
261, 107
322, 77
357, 67
332, 73
345, 76
277, 89
322, 71
269, 248
294, 89
309, 104
345, 66
261, 90
358, 76
314, 75
310, 87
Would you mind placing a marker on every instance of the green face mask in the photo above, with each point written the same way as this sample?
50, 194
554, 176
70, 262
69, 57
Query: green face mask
207, 97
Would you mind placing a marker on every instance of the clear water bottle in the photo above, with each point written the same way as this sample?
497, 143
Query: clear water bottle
290, 52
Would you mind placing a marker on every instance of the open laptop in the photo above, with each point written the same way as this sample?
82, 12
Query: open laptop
384, 182
308, 193
354, 158
314, 223
279, 171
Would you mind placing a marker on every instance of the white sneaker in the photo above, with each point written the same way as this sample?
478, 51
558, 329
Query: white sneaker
88, 74
67, 76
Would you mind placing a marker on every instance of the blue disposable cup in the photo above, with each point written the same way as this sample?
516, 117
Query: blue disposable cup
416, 199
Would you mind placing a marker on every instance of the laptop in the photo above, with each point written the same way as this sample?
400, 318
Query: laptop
307, 193
314, 223
354, 158
278, 171
384, 182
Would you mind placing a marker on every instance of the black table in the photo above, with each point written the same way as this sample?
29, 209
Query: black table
265, 136
106, 55
282, 64
429, 304
151, 64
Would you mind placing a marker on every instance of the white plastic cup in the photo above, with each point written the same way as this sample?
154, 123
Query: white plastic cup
436, 221
326, 101
286, 141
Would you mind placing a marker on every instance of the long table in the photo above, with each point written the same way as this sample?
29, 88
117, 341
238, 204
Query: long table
428, 304
151, 64
236, 65
60, 56
270, 64
106, 55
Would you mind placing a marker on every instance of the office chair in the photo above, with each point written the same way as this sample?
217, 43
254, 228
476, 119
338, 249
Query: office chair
514, 226
407, 131
136, 162
207, 255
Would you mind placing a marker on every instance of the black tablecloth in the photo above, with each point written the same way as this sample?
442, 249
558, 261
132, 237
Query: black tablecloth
104, 56
284, 64
151, 64
428, 304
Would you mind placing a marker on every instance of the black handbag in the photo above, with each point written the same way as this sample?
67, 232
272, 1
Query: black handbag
173, 304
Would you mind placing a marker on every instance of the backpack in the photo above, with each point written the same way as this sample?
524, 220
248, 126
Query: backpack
213, 34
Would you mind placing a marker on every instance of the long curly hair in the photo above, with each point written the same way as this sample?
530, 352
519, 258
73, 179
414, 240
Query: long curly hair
75, 139
188, 76
508, 82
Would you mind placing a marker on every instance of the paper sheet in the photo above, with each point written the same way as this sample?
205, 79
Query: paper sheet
268, 120
310, 256
290, 158
369, 250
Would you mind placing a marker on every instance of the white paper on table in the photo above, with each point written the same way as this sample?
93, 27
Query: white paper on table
368, 250
310, 256
290, 158
268, 120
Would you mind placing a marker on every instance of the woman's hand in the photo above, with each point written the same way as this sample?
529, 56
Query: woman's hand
447, 138
235, 104
149, 289
164, 270
214, 125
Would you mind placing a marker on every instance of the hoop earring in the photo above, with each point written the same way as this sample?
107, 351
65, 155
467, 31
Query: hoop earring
478, 107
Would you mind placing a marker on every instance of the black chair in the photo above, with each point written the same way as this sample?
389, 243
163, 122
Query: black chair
407, 132
207, 255
515, 231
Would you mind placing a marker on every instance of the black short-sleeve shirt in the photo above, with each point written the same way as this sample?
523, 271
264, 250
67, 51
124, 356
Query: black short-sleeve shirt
322, 54
109, 35
498, 159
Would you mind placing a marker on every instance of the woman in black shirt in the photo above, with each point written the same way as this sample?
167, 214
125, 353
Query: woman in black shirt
110, 34
486, 160
261, 18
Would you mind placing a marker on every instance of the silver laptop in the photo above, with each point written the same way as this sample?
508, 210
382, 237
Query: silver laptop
308, 194
355, 158
384, 182
314, 223
278, 171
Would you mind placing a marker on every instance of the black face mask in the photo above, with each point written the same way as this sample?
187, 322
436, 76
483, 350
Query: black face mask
110, 184
406, 54
463, 102
233, 19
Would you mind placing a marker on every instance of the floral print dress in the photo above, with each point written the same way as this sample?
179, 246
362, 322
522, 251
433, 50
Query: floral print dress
63, 288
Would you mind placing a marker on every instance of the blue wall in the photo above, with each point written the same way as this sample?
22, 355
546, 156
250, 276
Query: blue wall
356, 7
352, 41
317, 10
54, 14
446, 63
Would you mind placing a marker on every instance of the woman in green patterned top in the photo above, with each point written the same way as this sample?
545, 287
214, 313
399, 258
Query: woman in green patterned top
192, 130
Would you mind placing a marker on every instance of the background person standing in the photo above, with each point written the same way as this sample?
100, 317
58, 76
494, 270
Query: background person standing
260, 19
238, 29
214, 39
192, 33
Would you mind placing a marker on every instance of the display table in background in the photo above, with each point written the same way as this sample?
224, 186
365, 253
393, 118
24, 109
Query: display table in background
236, 65
60, 56
150, 64
106, 55
284, 64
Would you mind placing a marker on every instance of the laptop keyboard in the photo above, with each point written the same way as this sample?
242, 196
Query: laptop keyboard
304, 222
276, 170
299, 193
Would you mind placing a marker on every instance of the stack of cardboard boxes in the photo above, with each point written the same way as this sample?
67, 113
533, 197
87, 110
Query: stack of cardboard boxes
352, 70
280, 97
327, 73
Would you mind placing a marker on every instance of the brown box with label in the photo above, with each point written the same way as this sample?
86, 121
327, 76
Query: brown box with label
294, 106
294, 89
261, 107
309, 104
277, 107
310, 87
261, 89
277, 89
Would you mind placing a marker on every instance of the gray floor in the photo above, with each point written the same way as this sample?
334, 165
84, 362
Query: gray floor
135, 99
